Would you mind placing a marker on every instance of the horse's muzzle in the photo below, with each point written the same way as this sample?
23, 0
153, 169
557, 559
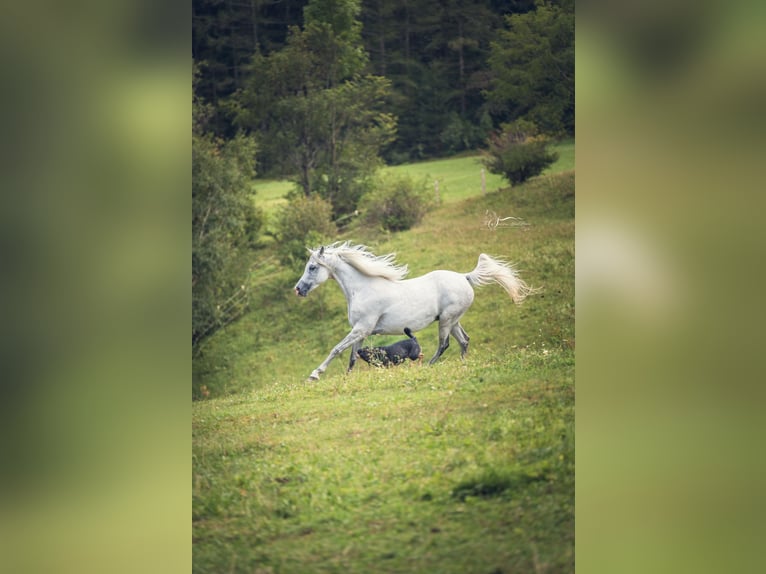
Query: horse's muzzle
301, 290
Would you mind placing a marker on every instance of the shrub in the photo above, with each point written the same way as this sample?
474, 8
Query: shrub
397, 204
225, 226
303, 222
342, 189
518, 152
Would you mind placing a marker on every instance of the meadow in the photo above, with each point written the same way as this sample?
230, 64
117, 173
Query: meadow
459, 177
463, 466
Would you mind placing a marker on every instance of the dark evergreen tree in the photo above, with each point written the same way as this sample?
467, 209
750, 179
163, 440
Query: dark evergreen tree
225, 35
435, 53
532, 63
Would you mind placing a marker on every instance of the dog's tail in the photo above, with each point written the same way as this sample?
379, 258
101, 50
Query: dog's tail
408, 333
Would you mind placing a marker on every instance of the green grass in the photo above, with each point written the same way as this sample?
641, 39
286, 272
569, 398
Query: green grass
566, 160
459, 177
456, 467
377, 472
270, 193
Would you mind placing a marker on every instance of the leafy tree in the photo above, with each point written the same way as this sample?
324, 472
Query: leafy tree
224, 225
303, 222
397, 203
518, 152
320, 117
532, 63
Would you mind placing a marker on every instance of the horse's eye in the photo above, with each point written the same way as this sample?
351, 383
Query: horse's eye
312, 268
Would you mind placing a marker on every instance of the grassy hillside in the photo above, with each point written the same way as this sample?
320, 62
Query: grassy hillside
459, 467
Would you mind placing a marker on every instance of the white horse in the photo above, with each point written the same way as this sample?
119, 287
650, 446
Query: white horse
382, 302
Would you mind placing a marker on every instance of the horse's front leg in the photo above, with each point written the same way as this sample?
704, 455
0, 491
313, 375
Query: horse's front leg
355, 337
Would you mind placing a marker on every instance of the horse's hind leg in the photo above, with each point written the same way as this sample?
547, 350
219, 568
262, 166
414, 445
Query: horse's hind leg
461, 337
444, 330
352, 359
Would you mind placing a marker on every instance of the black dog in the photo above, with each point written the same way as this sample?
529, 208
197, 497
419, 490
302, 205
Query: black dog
392, 354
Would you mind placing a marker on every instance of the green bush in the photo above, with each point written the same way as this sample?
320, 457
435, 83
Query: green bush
397, 204
518, 152
225, 227
303, 222
342, 189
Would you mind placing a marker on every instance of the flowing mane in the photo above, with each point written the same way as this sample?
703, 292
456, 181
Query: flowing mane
365, 262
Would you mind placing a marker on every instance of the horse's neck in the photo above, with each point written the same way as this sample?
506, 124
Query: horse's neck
351, 280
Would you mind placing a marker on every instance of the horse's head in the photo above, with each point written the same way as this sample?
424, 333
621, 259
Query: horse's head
315, 273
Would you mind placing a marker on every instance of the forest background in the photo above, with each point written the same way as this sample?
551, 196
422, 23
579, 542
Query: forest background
454, 69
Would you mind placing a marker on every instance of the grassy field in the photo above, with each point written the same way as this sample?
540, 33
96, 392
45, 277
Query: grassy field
459, 177
458, 467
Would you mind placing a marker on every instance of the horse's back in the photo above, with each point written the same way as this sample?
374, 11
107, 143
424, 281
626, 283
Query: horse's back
418, 302
448, 282
447, 288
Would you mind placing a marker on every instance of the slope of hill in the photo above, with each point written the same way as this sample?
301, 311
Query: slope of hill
457, 467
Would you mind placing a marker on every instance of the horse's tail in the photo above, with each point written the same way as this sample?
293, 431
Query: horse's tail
408, 333
489, 269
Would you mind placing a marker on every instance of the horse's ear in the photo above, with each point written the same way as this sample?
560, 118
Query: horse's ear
321, 251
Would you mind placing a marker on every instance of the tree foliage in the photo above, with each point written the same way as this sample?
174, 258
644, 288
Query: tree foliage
225, 35
434, 53
225, 224
303, 222
321, 117
397, 203
519, 152
532, 63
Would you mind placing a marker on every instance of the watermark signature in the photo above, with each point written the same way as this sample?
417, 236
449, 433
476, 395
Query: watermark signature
492, 221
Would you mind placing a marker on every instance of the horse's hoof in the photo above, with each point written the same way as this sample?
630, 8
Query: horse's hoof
313, 376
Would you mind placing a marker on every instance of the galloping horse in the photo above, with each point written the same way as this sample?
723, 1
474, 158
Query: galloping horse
382, 302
